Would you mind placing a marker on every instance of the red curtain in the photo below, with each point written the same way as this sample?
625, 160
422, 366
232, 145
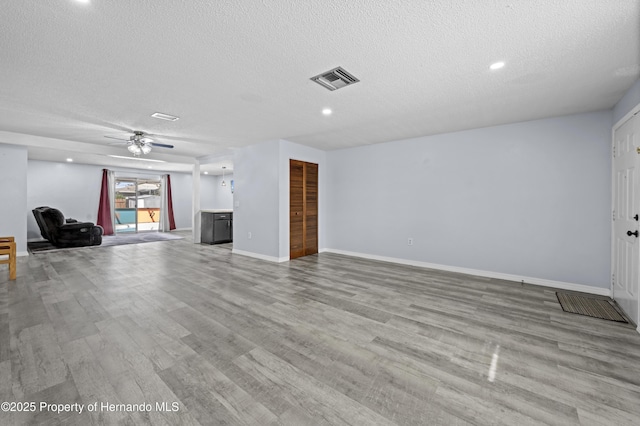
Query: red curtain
172, 221
104, 208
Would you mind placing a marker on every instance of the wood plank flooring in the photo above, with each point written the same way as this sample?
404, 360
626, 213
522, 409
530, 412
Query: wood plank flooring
223, 339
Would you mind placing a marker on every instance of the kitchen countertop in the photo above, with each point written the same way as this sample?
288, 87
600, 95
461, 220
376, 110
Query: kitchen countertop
216, 211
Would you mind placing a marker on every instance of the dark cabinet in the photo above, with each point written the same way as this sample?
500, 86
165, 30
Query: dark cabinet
216, 228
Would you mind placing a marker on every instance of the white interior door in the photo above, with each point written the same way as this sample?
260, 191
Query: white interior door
626, 244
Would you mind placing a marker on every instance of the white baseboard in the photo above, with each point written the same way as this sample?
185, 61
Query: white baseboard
181, 229
260, 256
487, 274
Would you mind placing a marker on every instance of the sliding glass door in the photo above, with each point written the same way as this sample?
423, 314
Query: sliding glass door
137, 205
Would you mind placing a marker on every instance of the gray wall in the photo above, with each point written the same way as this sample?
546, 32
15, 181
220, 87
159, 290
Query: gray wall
207, 192
13, 194
529, 199
292, 151
261, 196
213, 195
74, 189
223, 197
256, 210
182, 193
628, 101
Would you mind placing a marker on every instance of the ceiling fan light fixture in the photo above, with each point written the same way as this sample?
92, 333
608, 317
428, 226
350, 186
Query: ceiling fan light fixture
134, 149
140, 143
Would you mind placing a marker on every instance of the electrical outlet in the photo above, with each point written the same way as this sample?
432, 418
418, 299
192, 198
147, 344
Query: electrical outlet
410, 241
249, 235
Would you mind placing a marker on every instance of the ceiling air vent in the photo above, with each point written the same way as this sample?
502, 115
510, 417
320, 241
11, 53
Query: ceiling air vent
335, 79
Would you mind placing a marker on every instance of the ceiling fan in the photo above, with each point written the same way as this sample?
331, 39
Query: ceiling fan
140, 143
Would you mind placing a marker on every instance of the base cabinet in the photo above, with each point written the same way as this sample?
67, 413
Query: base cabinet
216, 228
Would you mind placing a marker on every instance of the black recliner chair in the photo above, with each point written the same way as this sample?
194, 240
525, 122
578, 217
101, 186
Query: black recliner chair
69, 233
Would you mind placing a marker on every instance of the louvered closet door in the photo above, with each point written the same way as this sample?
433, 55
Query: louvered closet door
311, 208
303, 208
296, 209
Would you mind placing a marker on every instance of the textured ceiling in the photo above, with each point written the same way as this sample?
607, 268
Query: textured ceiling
237, 72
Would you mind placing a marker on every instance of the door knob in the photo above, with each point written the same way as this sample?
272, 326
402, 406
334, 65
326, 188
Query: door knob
629, 233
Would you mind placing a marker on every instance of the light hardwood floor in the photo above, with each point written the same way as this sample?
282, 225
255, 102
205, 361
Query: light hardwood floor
325, 339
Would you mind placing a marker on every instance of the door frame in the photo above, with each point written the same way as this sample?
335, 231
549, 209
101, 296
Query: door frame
117, 180
288, 205
635, 111
136, 182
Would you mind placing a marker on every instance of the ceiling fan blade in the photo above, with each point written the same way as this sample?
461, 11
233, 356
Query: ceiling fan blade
118, 139
174, 138
160, 145
119, 143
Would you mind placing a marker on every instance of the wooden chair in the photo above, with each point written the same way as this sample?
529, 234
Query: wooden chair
8, 248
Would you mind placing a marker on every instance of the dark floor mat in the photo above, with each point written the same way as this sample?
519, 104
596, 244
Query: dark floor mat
589, 306
107, 241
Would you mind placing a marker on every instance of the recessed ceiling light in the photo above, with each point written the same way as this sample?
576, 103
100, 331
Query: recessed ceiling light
136, 158
163, 116
327, 111
206, 173
496, 65
82, 1
149, 167
70, 160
